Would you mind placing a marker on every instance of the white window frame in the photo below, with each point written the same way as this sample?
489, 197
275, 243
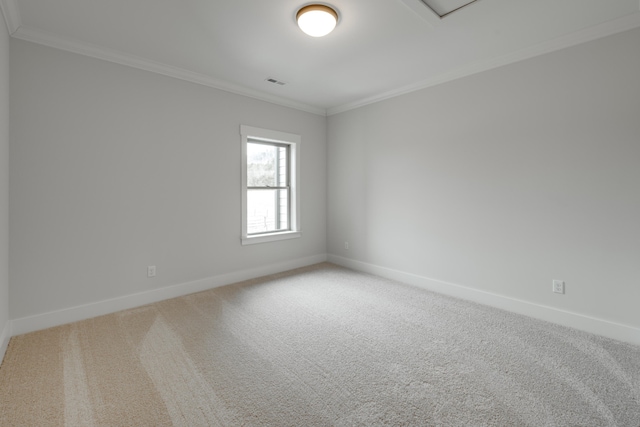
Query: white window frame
248, 134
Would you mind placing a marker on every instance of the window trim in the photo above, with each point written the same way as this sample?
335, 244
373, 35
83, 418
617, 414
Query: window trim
248, 133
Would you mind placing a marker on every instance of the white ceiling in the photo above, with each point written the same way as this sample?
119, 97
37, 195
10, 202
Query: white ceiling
380, 48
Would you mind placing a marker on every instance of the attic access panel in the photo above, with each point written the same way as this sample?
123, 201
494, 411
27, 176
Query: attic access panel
443, 8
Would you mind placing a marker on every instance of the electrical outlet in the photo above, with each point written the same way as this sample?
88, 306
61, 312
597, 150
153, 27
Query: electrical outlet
558, 286
151, 271
346, 245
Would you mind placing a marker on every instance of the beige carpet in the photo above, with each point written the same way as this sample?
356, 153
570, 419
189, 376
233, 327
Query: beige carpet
321, 346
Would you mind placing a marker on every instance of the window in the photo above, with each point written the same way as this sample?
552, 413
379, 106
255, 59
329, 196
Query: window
270, 192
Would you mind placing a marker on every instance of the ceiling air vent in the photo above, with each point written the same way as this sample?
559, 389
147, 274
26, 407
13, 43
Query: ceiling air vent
443, 8
275, 82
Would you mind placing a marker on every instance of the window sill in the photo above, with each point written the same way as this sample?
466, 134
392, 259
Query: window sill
272, 237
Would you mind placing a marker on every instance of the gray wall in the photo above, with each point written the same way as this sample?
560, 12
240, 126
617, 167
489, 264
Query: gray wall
114, 169
4, 177
503, 181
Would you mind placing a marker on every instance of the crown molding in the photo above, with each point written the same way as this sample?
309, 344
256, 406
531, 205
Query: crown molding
75, 46
16, 29
592, 33
11, 14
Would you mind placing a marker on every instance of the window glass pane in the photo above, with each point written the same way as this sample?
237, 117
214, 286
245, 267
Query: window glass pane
265, 165
283, 164
267, 210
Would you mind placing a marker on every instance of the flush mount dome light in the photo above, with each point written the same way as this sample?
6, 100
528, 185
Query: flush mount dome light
317, 20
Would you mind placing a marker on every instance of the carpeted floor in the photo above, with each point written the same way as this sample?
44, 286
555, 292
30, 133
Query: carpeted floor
321, 346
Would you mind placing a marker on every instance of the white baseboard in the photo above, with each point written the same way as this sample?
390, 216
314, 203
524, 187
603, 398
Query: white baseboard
73, 314
574, 320
5, 336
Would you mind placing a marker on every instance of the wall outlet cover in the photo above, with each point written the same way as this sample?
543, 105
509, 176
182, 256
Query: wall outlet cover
558, 286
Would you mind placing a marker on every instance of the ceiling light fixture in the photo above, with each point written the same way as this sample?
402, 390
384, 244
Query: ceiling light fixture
317, 20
